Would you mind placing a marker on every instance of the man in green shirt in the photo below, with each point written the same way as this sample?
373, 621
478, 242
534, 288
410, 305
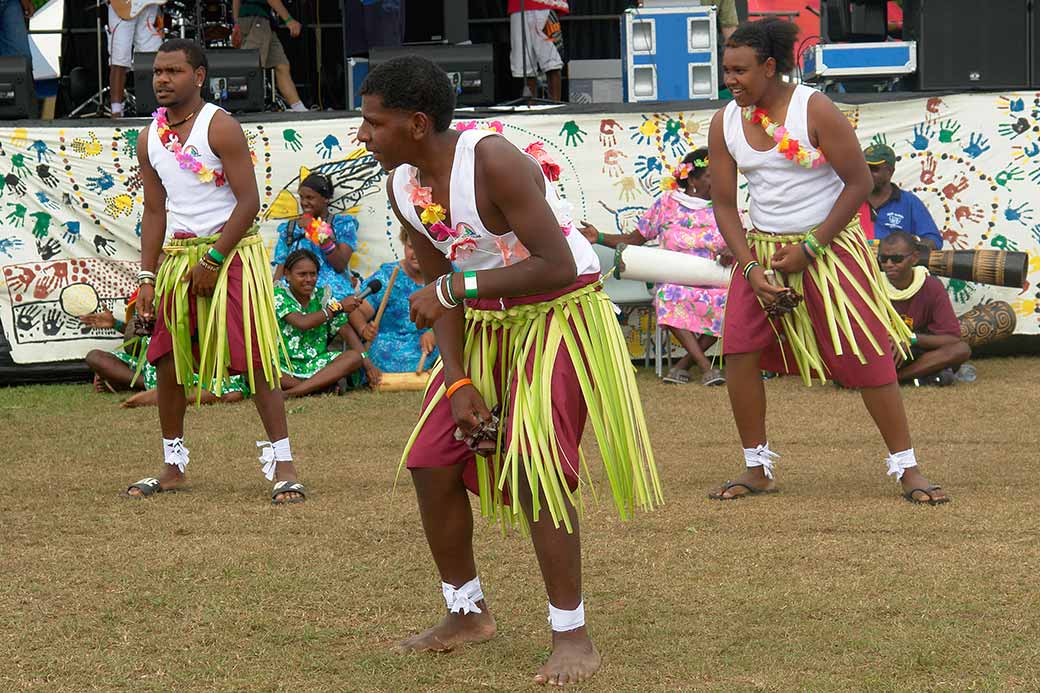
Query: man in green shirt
253, 30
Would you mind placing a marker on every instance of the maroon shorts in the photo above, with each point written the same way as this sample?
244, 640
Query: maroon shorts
746, 329
161, 342
436, 446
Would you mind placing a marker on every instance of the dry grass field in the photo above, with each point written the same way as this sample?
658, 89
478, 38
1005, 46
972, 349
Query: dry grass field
836, 584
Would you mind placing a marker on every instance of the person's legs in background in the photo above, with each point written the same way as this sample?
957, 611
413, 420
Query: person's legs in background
14, 36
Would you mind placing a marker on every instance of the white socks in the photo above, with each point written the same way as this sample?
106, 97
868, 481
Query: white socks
761, 456
174, 453
273, 453
899, 462
464, 599
563, 620
298, 106
117, 108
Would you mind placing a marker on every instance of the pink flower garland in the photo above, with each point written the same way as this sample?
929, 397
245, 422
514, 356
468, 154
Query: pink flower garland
185, 160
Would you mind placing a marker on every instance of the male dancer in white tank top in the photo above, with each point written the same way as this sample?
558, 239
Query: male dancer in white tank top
486, 207
805, 229
202, 209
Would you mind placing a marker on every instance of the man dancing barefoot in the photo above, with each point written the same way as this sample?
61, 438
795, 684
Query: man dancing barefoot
198, 178
528, 360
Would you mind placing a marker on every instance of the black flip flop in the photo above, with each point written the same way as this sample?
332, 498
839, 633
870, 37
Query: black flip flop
288, 487
751, 491
928, 491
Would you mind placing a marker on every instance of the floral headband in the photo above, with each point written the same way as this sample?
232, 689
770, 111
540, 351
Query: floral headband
681, 172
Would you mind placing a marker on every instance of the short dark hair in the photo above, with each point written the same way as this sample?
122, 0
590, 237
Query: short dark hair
693, 157
412, 83
893, 236
194, 53
301, 254
771, 38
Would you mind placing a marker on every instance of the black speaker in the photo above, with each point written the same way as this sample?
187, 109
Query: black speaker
966, 44
471, 68
436, 21
17, 92
1034, 43
234, 81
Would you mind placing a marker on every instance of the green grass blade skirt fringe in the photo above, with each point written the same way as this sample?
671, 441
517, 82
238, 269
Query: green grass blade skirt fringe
257, 304
582, 322
841, 313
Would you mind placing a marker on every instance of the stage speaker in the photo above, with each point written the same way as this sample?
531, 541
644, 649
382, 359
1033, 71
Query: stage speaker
1034, 43
966, 44
234, 81
17, 92
436, 21
471, 68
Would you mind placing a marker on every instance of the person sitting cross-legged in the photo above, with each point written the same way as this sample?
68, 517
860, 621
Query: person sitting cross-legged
307, 326
937, 350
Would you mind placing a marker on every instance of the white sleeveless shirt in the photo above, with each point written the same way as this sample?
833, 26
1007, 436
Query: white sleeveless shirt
785, 197
471, 246
191, 205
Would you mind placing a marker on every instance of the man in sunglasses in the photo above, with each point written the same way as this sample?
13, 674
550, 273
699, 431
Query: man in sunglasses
894, 209
936, 347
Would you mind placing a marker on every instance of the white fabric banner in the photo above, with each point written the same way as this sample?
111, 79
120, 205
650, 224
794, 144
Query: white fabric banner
71, 200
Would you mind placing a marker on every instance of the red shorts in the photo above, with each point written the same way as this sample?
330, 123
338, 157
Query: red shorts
436, 446
746, 329
161, 342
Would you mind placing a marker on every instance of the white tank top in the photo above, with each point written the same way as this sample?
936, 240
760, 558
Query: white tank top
785, 197
472, 246
191, 205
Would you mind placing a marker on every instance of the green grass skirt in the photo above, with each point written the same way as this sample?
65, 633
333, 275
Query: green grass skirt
840, 311
584, 323
211, 330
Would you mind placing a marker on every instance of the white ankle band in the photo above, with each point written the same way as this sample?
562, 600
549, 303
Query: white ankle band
465, 598
563, 620
117, 106
761, 456
273, 453
174, 453
899, 462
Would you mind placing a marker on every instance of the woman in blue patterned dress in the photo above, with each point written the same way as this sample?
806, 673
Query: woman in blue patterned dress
398, 345
333, 253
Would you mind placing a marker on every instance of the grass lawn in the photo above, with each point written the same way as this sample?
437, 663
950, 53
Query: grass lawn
836, 584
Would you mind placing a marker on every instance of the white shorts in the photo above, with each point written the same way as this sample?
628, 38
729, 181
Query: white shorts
542, 55
126, 36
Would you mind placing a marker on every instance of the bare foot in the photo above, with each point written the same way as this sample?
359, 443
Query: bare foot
914, 479
452, 631
573, 659
148, 398
753, 478
170, 479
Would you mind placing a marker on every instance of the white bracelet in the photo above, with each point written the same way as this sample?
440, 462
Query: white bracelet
448, 305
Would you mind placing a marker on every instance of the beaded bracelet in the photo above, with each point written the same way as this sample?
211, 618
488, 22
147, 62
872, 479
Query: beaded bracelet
748, 267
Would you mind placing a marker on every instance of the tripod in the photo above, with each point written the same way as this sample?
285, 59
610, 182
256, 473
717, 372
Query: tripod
532, 99
98, 100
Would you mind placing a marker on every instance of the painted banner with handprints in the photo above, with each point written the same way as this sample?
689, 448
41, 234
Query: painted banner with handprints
71, 197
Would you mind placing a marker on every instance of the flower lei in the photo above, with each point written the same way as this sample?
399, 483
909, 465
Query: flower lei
788, 146
433, 214
317, 232
549, 167
172, 142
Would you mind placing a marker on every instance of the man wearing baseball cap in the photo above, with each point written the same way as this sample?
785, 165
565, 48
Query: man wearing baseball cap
894, 209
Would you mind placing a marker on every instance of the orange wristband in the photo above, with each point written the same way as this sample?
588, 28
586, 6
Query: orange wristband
456, 386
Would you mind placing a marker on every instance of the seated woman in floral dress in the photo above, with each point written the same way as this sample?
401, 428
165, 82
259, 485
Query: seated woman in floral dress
307, 326
682, 220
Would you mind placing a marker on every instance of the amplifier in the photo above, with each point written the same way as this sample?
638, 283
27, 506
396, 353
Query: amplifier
234, 81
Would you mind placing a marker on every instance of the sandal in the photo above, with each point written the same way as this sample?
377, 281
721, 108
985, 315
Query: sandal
676, 376
928, 491
713, 376
288, 487
149, 486
751, 491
